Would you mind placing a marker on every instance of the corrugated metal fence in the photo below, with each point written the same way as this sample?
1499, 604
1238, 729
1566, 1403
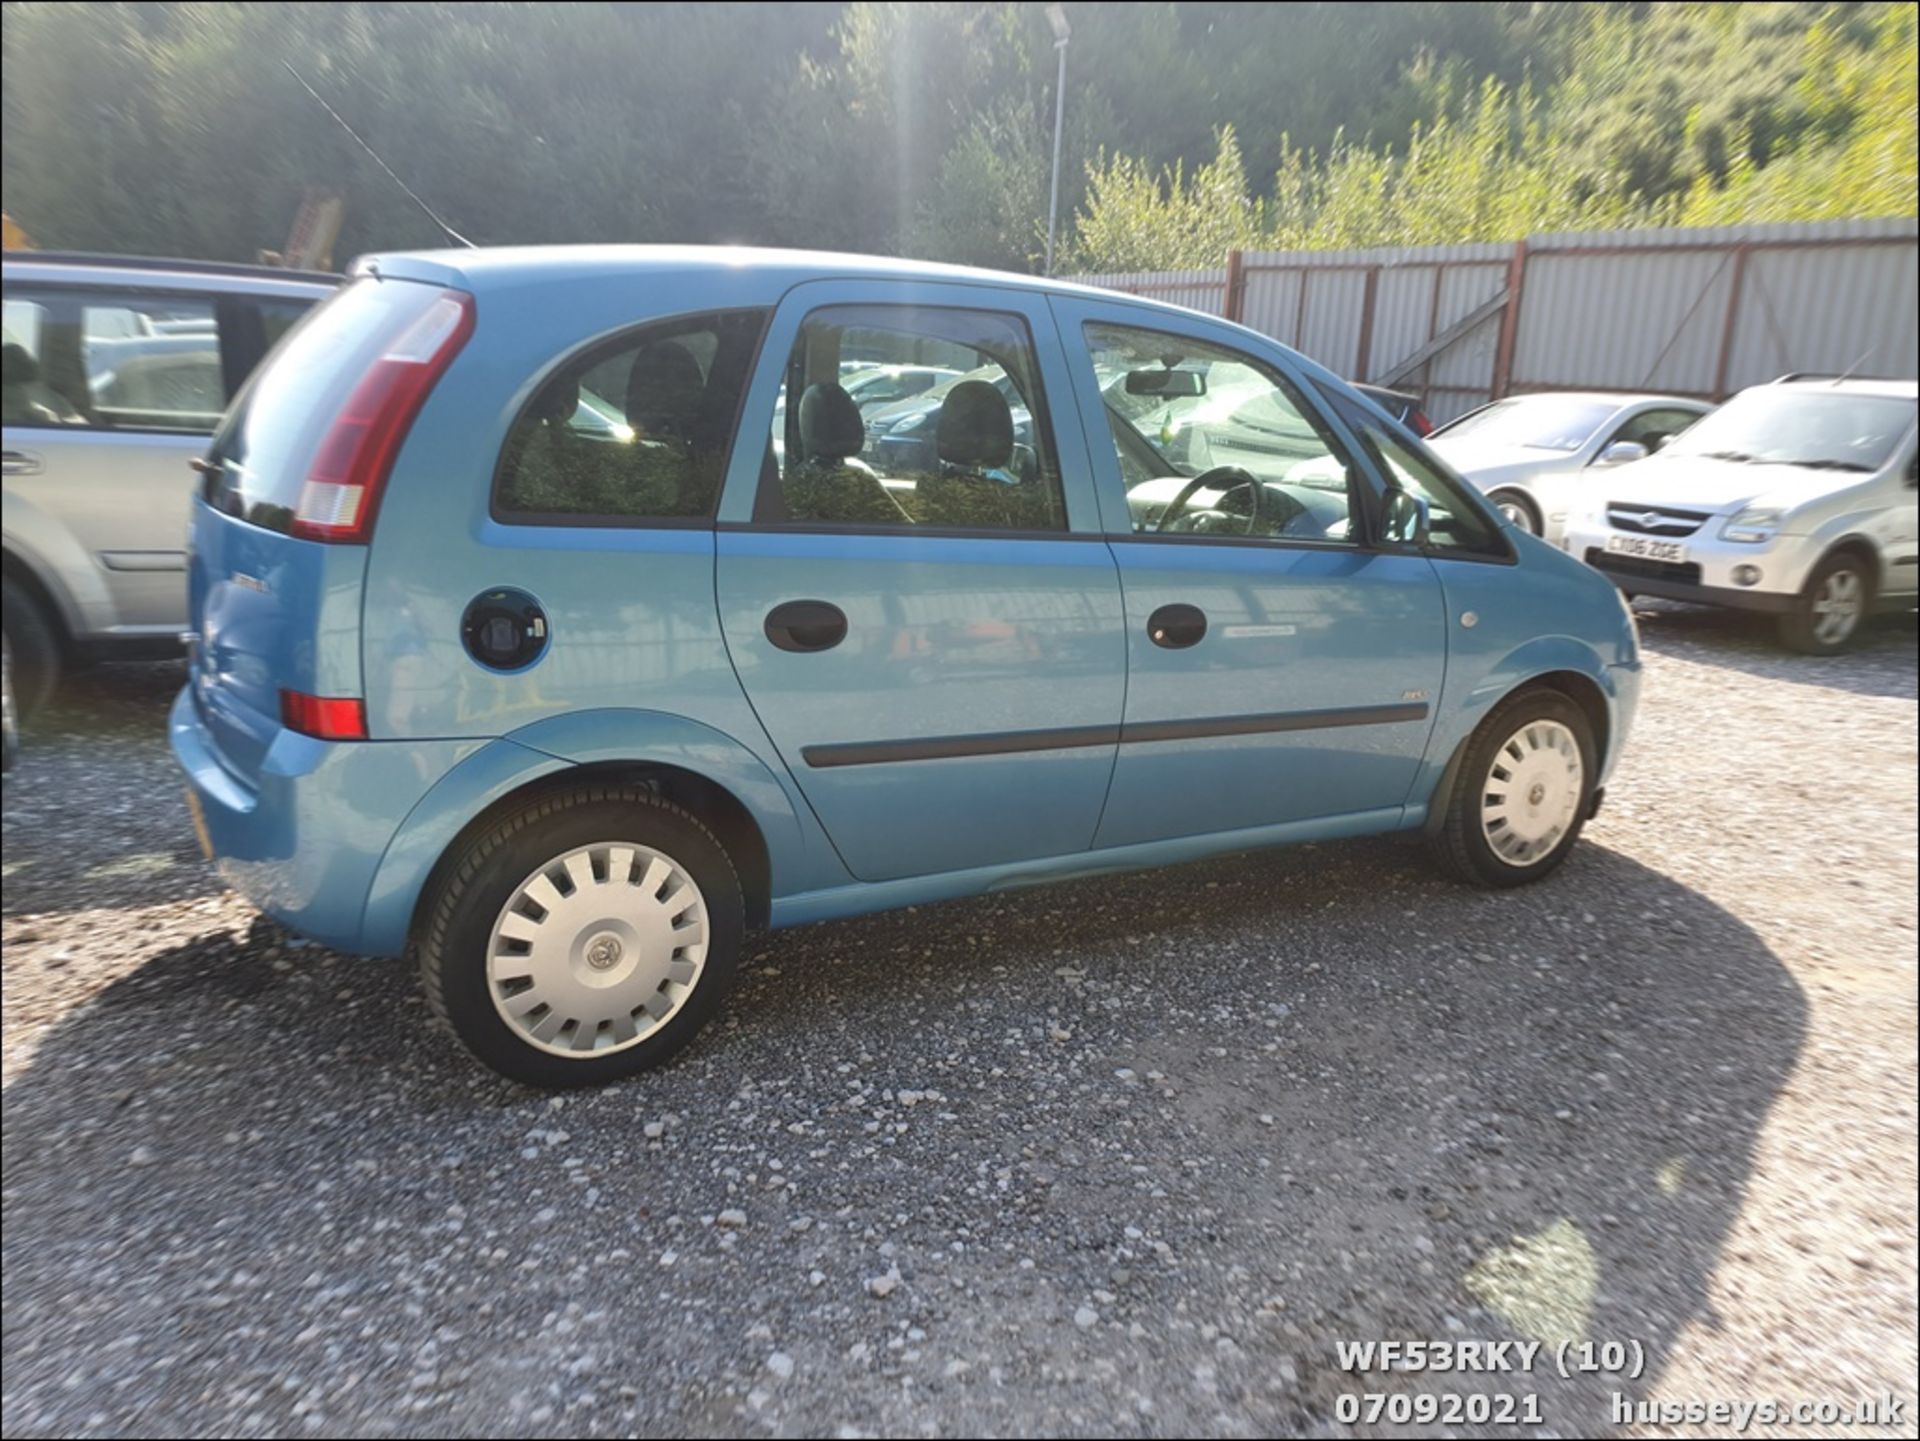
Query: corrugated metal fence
1684, 312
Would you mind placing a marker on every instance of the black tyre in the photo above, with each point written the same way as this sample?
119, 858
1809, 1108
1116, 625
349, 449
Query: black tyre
1829, 611
1518, 507
9, 730
585, 938
35, 648
1521, 796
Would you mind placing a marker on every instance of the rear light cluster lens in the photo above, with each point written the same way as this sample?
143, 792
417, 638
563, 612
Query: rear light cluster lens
342, 489
1417, 418
327, 718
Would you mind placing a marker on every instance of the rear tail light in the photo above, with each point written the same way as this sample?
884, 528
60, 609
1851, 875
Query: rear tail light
342, 490
1417, 418
327, 718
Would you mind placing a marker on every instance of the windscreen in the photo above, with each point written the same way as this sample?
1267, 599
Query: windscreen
1782, 425
1545, 422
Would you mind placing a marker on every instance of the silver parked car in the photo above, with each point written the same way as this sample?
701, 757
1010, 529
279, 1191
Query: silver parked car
115, 371
1530, 453
1795, 500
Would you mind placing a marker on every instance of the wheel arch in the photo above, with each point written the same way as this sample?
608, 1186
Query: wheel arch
718, 808
1855, 543
1584, 692
23, 572
1577, 684
1526, 497
771, 835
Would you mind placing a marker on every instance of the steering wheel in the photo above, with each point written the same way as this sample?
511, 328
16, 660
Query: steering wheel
1231, 477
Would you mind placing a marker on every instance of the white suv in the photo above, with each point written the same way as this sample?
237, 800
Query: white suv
116, 370
1795, 499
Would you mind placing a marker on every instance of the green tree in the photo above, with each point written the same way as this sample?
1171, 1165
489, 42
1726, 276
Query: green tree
927, 128
1136, 219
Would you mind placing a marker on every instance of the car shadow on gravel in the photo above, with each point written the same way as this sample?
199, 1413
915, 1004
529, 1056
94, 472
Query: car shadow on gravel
1883, 660
1351, 1101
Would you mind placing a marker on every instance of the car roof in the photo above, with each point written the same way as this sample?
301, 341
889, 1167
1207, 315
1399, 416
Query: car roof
1616, 398
141, 272
1898, 389
770, 271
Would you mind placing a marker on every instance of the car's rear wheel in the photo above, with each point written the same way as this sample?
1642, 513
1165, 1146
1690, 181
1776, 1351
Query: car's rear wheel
1519, 508
34, 646
585, 938
1522, 793
9, 727
1829, 610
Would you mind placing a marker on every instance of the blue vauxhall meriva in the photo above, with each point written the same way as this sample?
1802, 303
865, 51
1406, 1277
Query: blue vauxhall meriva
559, 615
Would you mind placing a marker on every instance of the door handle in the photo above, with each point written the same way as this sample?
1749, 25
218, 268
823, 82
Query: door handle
1175, 627
19, 462
806, 625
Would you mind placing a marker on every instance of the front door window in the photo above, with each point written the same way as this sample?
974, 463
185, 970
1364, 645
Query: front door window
1212, 442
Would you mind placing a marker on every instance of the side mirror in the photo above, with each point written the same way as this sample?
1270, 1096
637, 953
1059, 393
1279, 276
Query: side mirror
1409, 519
1622, 451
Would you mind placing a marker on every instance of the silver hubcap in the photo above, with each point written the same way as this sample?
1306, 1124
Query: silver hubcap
1532, 792
597, 949
1836, 607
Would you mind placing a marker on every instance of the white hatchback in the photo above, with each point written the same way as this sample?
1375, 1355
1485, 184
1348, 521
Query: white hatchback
1795, 499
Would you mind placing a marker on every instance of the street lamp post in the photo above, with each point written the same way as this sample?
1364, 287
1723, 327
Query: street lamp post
1062, 32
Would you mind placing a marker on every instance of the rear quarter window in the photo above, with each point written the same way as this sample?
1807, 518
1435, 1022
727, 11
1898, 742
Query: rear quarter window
633, 431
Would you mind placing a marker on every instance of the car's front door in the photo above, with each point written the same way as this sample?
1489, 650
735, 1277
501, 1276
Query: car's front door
927, 623
1281, 668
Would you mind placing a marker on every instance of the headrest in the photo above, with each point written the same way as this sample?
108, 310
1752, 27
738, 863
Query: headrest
976, 427
17, 365
557, 401
664, 390
830, 424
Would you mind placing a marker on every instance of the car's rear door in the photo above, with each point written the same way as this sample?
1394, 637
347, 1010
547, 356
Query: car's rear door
930, 634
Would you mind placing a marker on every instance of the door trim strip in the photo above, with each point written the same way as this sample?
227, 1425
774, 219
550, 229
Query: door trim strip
1298, 720
866, 753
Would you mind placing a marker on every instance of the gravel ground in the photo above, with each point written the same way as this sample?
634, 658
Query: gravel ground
1123, 1156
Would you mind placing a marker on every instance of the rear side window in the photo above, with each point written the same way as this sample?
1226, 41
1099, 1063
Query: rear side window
969, 450
633, 431
107, 360
264, 451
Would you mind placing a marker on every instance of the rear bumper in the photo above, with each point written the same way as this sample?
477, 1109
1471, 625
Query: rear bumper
303, 840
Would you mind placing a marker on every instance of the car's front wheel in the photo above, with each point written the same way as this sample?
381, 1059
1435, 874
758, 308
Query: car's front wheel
585, 938
9, 728
1829, 610
1522, 793
1519, 508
